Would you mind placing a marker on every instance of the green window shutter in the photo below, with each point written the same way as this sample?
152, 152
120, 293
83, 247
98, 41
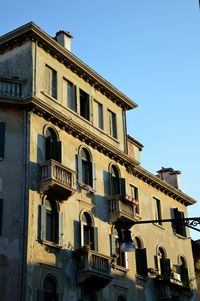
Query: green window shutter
122, 183
94, 231
58, 151
141, 262
93, 175
184, 275
1, 215
113, 245
74, 99
2, 140
165, 267
60, 228
42, 222
182, 226
79, 169
77, 235
48, 148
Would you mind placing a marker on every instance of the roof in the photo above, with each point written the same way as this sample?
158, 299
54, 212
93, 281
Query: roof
31, 31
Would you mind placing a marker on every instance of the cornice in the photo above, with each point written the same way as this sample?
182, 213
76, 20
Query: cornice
163, 186
31, 31
134, 141
71, 127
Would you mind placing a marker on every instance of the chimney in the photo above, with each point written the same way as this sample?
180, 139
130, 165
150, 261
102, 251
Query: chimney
170, 175
64, 38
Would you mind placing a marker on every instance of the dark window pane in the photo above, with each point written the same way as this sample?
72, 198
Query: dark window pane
84, 105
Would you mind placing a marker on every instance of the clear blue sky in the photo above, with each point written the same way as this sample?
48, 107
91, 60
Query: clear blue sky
150, 50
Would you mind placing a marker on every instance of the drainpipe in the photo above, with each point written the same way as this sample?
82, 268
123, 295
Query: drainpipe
25, 198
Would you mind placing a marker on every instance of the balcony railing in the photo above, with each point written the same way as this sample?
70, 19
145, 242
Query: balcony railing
57, 180
10, 88
122, 209
93, 268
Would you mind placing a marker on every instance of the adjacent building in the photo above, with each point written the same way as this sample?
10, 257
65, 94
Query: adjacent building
72, 187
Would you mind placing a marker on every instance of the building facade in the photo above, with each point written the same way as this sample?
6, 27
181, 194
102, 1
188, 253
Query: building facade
72, 187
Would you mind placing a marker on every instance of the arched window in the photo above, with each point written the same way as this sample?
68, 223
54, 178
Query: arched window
89, 233
50, 289
114, 180
51, 221
85, 168
52, 146
140, 258
163, 263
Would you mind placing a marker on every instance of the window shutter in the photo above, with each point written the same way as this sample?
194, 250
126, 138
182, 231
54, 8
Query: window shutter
182, 226
141, 262
113, 245
93, 175
60, 228
165, 267
74, 99
1, 214
94, 231
122, 186
58, 151
79, 169
2, 139
77, 235
42, 223
184, 275
48, 148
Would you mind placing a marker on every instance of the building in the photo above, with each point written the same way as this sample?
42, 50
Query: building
72, 187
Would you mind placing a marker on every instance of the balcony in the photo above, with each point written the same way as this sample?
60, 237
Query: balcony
122, 209
57, 180
10, 88
94, 269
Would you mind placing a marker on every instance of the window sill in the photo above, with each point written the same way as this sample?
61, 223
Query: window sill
49, 96
50, 244
121, 268
86, 187
140, 277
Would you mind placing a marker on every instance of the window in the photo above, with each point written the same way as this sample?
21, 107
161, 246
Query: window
163, 263
140, 258
51, 222
158, 214
89, 233
2, 140
112, 123
1, 215
52, 146
179, 226
71, 96
84, 105
85, 168
134, 195
51, 82
49, 292
98, 115
115, 241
